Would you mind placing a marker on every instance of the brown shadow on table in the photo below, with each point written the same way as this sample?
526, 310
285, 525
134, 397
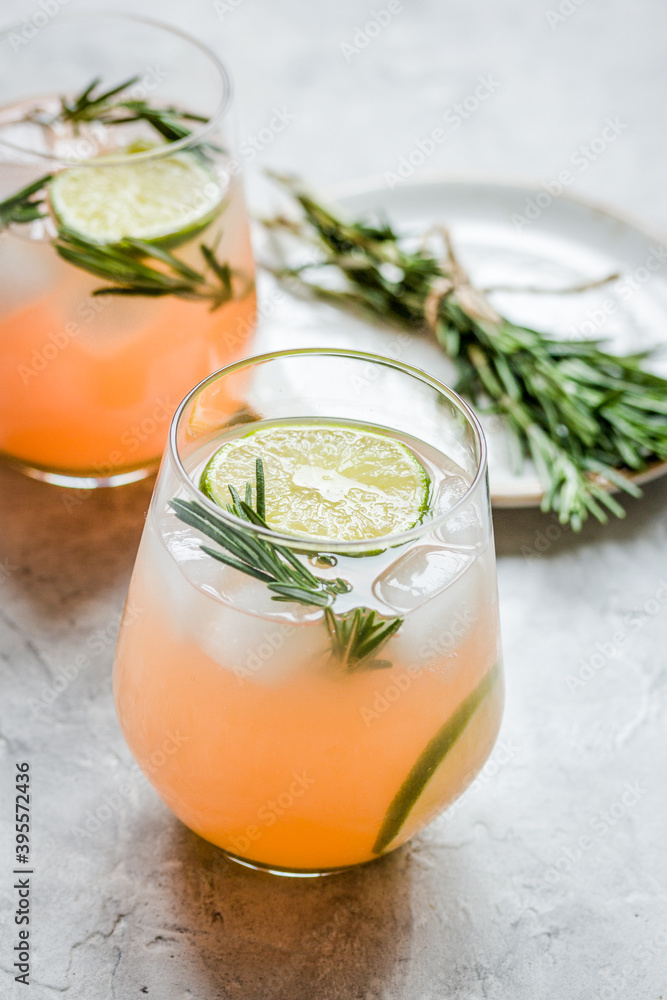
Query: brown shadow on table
69, 547
230, 931
530, 533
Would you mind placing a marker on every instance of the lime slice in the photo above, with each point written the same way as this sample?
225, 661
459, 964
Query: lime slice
164, 201
325, 480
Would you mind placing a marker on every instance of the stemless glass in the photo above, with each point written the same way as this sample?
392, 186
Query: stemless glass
89, 382
247, 724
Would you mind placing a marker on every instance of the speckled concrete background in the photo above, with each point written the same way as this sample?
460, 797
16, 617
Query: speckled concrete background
502, 898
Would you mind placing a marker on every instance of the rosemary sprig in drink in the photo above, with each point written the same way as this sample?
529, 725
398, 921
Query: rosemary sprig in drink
131, 266
356, 636
89, 106
583, 414
26, 205
124, 264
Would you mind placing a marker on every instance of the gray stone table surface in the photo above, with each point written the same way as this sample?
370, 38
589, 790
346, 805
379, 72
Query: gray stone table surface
501, 898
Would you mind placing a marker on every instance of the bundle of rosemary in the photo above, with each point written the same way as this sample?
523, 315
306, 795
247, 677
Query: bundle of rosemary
585, 415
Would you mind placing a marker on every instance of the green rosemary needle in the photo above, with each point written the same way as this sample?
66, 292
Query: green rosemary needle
132, 267
355, 636
89, 106
585, 415
26, 205
124, 264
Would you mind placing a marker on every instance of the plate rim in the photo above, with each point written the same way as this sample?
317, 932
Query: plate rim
354, 186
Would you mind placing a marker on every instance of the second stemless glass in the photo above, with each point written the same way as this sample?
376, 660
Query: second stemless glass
88, 381
253, 733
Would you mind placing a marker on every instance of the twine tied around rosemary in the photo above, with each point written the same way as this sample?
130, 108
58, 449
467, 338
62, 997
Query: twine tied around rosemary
455, 281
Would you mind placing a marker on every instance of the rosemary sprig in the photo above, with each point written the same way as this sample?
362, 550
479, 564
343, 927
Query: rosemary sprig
584, 414
89, 106
124, 264
24, 206
355, 635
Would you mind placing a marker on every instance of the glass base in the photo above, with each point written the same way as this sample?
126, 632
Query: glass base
74, 480
259, 866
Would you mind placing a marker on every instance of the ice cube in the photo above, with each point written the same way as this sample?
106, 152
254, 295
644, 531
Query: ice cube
433, 632
30, 271
450, 491
259, 650
229, 616
420, 575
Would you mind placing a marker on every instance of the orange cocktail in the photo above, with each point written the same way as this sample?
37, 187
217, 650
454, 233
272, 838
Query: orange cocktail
126, 273
270, 726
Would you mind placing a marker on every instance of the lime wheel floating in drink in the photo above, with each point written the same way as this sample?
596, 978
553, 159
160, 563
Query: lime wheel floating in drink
165, 201
329, 481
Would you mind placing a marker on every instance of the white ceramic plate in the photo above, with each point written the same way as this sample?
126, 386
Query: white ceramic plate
505, 234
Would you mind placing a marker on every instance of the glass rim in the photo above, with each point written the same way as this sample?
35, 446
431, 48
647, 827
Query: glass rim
200, 129
310, 543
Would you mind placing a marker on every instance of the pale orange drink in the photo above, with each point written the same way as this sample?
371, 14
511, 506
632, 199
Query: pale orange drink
126, 273
308, 670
